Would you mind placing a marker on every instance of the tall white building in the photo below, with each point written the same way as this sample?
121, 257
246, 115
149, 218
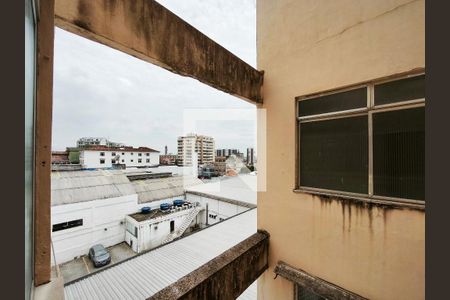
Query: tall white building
204, 146
105, 157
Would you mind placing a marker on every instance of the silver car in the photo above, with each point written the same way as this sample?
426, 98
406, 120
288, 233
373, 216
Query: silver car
99, 255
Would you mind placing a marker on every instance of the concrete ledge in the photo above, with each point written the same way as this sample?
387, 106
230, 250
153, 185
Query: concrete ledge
313, 283
149, 31
226, 276
54, 290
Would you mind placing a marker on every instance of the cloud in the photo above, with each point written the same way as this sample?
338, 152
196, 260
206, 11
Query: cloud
99, 91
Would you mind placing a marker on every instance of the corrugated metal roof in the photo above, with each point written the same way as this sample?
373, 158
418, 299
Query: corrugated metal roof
79, 186
146, 274
161, 188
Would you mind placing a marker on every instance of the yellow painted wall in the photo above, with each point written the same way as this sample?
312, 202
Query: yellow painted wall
311, 46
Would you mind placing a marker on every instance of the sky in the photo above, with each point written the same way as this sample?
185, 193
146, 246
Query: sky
99, 91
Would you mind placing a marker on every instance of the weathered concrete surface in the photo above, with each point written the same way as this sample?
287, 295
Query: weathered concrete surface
147, 30
43, 140
226, 276
313, 283
54, 290
306, 48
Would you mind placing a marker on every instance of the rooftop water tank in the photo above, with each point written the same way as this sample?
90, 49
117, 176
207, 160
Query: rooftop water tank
145, 210
178, 202
164, 206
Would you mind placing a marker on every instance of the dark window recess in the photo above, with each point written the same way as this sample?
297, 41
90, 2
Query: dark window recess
335, 102
147, 160
67, 225
304, 294
102, 153
399, 153
334, 154
113, 161
113, 153
148, 154
400, 90
172, 226
139, 160
102, 161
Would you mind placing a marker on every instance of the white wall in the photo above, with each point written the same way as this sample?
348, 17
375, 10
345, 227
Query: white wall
152, 232
97, 216
222, 209
91, 158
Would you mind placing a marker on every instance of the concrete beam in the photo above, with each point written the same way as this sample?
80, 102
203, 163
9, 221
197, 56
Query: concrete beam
315, 284
224, 277
148, 31
43, 142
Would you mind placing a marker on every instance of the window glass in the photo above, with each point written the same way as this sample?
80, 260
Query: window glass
67, 225
399, 153
352, 99
334, 154
400, 90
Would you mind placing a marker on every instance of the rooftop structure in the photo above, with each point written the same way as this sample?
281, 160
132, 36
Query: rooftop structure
94, 141
162, 188
145, 275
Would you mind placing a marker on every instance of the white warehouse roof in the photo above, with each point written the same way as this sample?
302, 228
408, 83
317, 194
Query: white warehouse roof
240, 188
144, 275
161, 188
79, 186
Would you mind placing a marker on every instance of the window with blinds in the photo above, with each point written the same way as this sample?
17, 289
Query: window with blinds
378, 151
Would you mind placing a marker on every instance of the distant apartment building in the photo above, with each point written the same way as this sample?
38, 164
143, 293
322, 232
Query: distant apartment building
96, 141
250, 156
202, 145
167, 159
228, 152
106, 157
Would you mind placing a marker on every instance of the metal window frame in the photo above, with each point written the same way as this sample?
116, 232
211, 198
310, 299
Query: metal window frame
369, 111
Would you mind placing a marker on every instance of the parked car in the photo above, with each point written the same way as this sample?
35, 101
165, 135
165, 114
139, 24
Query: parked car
99, 255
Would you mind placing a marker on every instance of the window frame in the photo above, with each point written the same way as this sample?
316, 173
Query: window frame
368, 111
69, 224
